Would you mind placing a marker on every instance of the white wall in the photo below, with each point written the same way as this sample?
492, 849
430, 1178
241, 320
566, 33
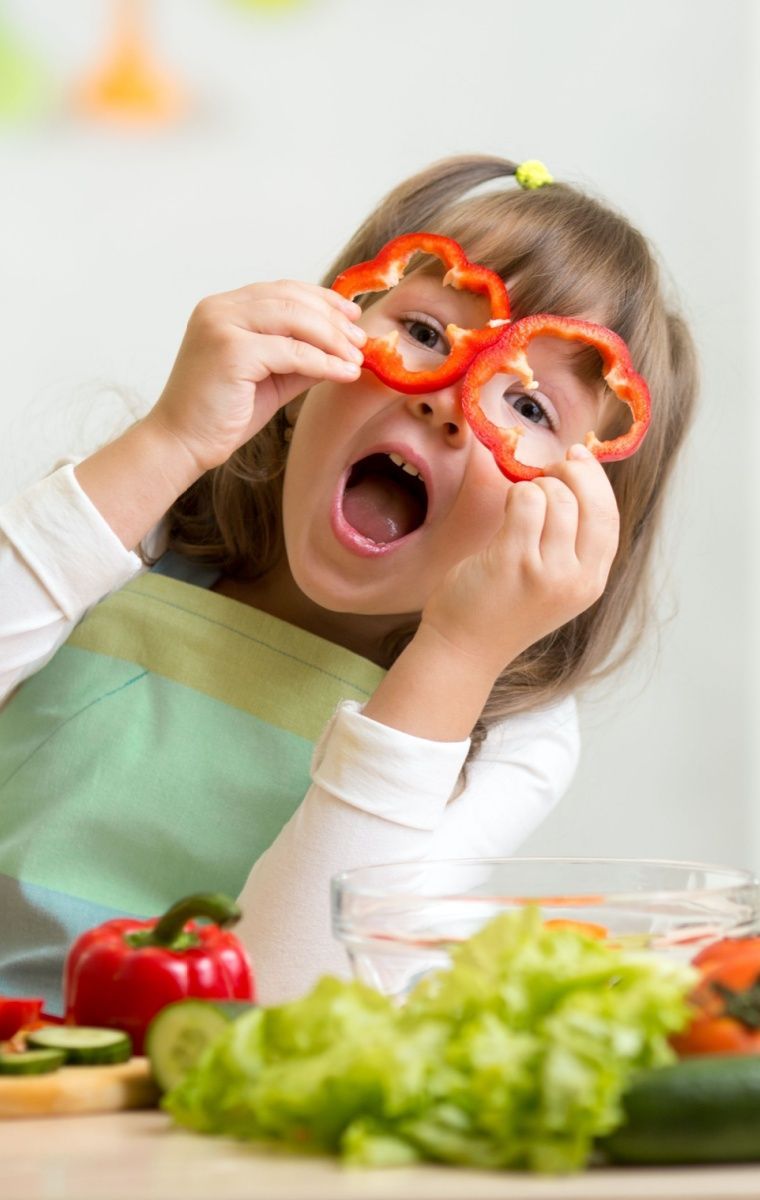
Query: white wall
107, 240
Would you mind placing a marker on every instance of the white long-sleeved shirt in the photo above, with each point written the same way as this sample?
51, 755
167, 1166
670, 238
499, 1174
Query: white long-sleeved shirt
377, 794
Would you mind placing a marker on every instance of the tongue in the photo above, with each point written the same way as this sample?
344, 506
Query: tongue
379, 509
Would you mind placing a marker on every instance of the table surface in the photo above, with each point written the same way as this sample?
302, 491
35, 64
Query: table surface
121, 1156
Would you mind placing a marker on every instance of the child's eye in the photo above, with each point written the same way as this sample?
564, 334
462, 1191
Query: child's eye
529, 408
427, 334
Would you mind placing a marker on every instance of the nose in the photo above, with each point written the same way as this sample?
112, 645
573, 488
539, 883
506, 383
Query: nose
443, 411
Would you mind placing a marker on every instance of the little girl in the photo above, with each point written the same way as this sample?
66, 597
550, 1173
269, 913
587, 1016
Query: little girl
323, 668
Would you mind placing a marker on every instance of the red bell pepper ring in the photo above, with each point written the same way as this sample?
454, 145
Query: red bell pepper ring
121, 973
509, 356
18, 1013
383, 272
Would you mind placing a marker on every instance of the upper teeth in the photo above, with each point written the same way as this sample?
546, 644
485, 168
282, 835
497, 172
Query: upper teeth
405, 466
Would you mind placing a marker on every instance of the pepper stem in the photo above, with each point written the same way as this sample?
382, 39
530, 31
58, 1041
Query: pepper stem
742, 1005
168, 930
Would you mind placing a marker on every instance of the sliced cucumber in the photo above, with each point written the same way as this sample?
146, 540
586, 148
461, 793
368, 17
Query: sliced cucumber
179, 1033
31, 1062
83, 1045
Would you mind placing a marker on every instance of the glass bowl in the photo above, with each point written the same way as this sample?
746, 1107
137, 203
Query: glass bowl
398, 921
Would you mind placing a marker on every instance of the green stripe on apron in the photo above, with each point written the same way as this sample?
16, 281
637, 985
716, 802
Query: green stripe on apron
164, 747
306, 675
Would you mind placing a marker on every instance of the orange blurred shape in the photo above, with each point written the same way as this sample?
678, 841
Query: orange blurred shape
598, 932
129, 85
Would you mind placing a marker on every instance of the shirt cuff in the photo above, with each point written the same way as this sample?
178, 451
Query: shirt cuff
404, 779
65, 541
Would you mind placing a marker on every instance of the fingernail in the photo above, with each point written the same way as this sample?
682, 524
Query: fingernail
356, 333
350, 306
579, 451
350, 370
356, 354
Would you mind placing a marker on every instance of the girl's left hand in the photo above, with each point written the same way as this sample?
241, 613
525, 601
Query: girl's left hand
549, 562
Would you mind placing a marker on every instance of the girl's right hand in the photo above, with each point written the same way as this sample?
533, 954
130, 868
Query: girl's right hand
548, 563
247, 353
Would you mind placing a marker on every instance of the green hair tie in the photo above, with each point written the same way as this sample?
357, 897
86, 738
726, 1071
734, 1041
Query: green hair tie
533, 174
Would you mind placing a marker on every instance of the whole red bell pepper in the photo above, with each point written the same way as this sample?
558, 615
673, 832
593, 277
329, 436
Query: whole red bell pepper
121, 973
383, 272
508, 356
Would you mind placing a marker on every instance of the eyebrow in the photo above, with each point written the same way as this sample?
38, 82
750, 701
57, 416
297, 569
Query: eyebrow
613, 416
448, 295
586, 363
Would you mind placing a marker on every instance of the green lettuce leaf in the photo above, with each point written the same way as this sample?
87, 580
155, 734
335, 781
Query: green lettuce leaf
517, 1056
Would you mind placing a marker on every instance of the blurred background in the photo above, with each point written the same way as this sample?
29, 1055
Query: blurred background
153, 152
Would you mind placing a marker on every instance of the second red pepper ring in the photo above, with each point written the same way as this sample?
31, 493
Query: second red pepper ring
383, 272
509, 356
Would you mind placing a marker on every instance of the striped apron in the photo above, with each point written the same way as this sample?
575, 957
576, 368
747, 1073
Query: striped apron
159, 753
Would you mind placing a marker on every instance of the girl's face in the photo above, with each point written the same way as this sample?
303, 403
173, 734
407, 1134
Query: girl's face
385, 493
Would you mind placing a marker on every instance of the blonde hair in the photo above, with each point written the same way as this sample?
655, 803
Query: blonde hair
561, 251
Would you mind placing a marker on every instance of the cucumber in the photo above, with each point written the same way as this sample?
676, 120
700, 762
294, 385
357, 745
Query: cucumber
83, 1045
179, 1033
31, 1062
700, 1110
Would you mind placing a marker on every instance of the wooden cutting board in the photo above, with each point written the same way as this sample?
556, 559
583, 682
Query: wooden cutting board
79, 1090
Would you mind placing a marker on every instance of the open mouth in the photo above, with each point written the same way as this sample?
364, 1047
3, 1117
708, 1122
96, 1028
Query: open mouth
385, 498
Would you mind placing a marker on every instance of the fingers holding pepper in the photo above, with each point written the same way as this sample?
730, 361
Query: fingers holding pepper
584, 518
245, 354
548, 562
289, 327
572, 539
